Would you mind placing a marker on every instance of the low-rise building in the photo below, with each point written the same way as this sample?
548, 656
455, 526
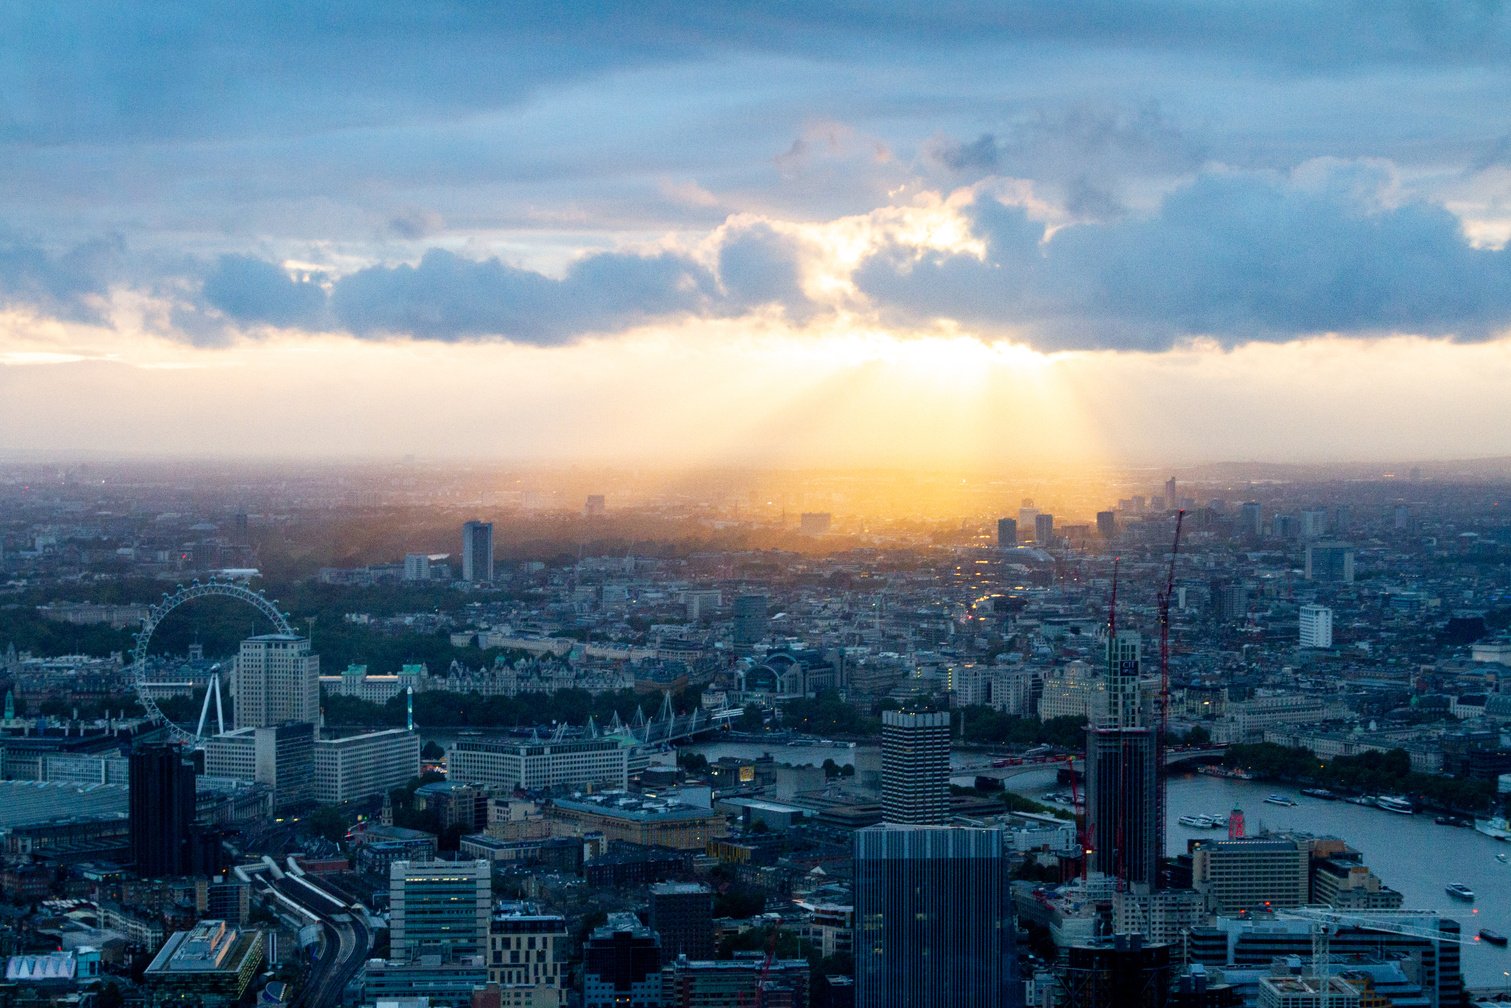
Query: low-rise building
648, 821
1253, 873
510, 764
210, 964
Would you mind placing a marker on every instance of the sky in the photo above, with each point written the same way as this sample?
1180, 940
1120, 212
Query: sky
961, 234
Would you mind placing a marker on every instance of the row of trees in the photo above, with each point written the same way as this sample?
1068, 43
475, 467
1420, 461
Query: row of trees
992, 727
462, 710
1363, 773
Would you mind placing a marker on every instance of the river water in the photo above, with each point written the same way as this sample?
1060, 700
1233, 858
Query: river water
1410, 853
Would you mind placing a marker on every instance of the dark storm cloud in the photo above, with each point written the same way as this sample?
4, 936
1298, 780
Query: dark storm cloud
67, 284
1237, 258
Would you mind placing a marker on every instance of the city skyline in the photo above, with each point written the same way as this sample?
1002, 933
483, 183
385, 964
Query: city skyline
1000, 234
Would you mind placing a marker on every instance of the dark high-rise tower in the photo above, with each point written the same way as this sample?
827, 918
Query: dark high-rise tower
1122, 803
749, 628
477, 551
1122, 775
681, 913
1007, 532
933, 918
161, 797
915, 767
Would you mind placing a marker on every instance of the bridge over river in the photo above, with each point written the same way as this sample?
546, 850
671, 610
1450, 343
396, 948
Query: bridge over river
1174, 757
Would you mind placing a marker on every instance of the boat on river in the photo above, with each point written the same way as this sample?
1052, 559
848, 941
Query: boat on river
1497, 828
1201, 821
1280, 799
1493, 937
1392, 803
1459, 891
1319, 792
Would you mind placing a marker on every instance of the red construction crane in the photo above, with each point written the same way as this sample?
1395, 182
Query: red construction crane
1164, 688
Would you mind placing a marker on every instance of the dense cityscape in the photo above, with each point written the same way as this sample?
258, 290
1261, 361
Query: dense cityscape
409, 735
839, 504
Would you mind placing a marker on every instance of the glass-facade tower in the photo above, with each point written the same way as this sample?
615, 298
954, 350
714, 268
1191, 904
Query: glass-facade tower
933, 918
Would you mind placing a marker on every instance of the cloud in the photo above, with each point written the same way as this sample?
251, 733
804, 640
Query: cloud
1081, 152
1232, 257
760, 265
414, 224
448, 297
70, 285
252, 290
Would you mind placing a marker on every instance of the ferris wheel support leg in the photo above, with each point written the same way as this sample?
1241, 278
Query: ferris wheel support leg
204, 708
220, 715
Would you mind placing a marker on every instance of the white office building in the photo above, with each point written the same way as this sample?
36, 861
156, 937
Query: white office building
280, 756
1316, 626
509, 764
360, 766
277, 680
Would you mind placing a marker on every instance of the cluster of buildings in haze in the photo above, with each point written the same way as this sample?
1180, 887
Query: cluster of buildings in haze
734, 750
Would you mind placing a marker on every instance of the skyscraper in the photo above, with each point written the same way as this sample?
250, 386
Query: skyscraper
1122, 775
161, 802
1007, 532
933, 918
1107, 524
749, 612
1044, 529
1330, 562
277, 680
915, 767
1250, 519
477, 551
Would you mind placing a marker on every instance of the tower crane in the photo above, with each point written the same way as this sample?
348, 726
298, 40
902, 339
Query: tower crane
1325, 920
1161, 741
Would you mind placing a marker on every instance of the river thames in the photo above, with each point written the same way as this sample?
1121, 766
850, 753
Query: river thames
1410, 853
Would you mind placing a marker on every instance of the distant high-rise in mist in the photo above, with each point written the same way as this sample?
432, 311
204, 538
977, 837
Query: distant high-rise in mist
749, 628
1007, 532
477, 551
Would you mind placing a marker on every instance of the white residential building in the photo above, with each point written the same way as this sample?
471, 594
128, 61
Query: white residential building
1075, 690
378, 689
